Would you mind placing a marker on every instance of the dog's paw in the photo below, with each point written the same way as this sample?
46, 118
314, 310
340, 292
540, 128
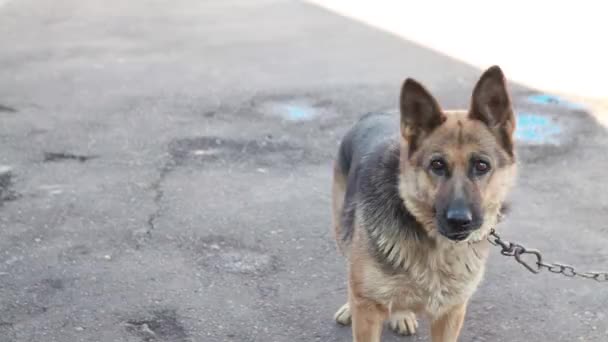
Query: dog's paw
404, 323
343, 316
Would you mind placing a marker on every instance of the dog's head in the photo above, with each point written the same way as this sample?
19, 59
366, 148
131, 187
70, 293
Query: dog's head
457, 166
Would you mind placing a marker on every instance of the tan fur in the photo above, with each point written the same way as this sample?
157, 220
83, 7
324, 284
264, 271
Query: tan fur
368, 314
447, 327
417, 190
337, 200
434, 280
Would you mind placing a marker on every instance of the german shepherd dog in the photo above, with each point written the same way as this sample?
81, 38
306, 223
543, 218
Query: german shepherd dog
412, 207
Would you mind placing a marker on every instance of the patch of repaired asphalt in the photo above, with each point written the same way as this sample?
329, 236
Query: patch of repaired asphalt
158, 325
7, 109
61, 156
222, 254
7, 193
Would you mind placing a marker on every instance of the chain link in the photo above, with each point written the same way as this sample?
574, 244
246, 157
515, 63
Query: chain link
532, 260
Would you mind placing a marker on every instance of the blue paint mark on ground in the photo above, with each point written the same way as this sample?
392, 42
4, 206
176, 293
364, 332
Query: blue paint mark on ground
298, 113
296, 110
536, 129
545, 99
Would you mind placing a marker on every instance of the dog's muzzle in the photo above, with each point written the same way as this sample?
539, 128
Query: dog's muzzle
458, 221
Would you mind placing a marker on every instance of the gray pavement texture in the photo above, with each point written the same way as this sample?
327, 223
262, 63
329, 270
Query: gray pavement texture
151, 188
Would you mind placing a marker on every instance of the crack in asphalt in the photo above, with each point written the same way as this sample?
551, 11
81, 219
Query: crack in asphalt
156, 187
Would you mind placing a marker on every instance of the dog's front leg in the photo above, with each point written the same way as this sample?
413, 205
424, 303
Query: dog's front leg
446, 328
367, 319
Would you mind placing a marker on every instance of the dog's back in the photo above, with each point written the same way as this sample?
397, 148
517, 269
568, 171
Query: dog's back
361, 141
366, 178
372, 130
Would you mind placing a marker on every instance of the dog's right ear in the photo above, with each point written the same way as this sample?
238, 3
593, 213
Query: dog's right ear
420, 113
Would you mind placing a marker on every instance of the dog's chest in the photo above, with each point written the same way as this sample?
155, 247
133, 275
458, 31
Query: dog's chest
432, 282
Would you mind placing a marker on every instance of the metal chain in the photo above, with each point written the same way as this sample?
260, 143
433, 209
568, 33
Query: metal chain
519, 252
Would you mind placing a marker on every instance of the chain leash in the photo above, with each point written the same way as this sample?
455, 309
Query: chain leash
519, 252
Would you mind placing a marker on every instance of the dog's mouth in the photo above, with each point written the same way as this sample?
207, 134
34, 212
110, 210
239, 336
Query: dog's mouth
457, 236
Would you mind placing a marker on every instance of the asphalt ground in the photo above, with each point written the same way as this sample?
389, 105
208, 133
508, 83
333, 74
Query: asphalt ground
165, 175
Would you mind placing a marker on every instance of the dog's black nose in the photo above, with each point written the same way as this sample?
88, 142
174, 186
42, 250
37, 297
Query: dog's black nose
459, 216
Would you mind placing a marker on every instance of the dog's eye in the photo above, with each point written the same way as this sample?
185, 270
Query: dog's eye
481, 167
438, 166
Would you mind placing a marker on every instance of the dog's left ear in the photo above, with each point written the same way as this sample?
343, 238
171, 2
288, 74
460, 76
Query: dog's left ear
491, 104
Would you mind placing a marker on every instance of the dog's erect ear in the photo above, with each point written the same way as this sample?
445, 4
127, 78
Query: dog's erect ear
420, 113
491, 104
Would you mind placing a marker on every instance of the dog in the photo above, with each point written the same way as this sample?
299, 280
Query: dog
413, 203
